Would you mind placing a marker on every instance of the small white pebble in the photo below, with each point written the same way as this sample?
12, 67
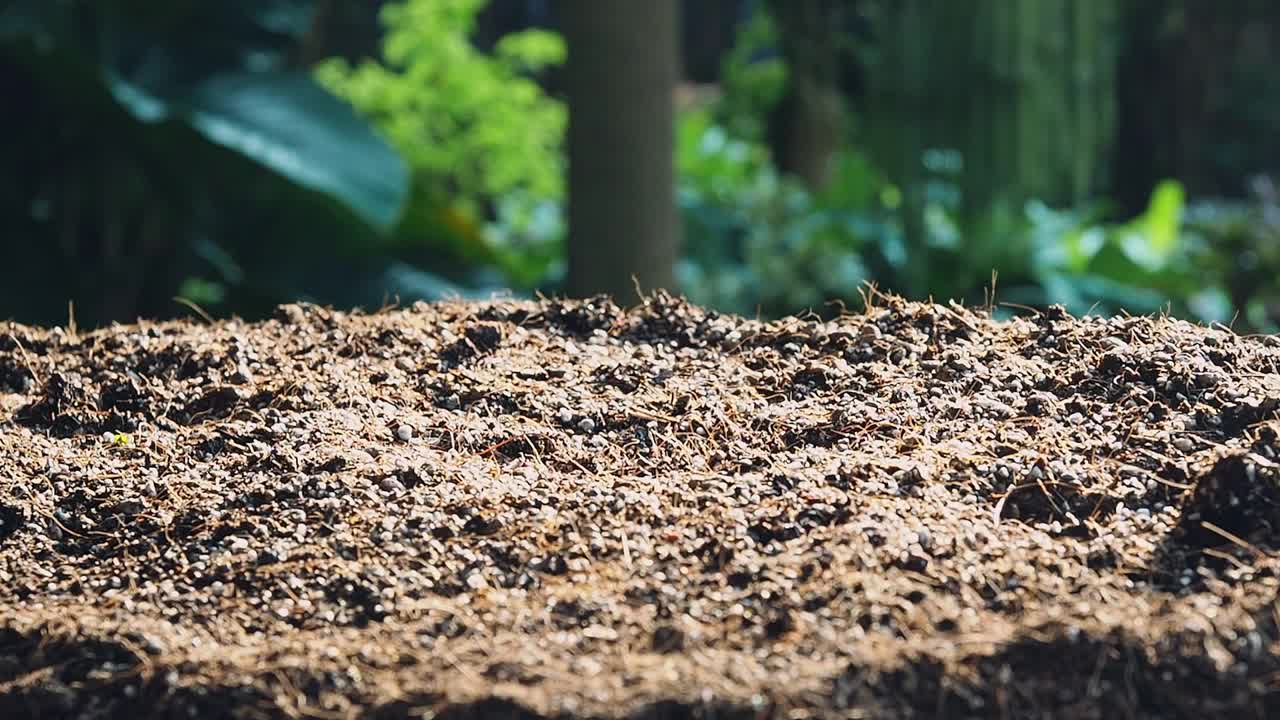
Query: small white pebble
565, 416
587, 425
404, 433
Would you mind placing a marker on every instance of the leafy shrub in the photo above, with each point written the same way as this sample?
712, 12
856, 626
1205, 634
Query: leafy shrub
759, 242
158, 145
482, 138
756, 241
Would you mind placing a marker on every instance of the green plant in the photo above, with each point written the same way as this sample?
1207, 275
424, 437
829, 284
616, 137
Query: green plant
1074, 258
216, 69
753, 78
1239, 244
483, 140
160, 146
757, 241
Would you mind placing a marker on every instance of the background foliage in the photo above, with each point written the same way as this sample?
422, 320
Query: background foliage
208, 151
138, 161
481, 137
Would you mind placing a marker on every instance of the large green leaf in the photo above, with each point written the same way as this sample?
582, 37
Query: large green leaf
186, 60
291, 125
286, 122
1152, 239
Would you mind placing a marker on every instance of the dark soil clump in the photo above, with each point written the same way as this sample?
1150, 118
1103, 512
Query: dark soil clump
563, 509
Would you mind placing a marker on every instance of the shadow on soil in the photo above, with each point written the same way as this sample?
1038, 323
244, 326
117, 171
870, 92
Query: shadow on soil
1047, 672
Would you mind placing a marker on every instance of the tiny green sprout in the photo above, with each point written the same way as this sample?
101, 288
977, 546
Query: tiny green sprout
121, 439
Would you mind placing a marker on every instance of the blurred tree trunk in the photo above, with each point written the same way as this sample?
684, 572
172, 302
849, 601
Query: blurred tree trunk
807, 126
1022, 89
620, 77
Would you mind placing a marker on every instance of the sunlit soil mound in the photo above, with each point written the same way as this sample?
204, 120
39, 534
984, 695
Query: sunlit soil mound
563, 509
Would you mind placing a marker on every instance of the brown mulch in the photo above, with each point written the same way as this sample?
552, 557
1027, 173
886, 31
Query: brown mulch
561, 509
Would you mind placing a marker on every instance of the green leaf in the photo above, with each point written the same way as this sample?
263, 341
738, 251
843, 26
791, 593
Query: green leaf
144, 106
1088, 293
1164, 215
286, 122
410, 283
531, 50
1152, 239
281, 120
202, 292
1116, 261
1113, 294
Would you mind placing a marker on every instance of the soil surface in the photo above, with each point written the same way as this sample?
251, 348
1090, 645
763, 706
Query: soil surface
561, 509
